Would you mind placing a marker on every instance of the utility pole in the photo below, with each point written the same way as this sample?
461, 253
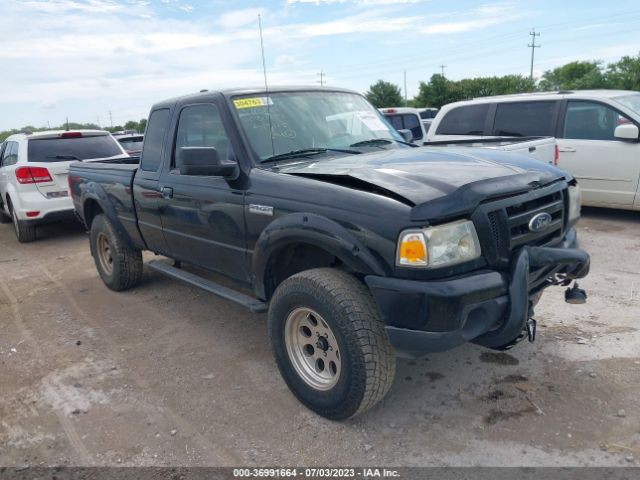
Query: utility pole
322, 80
98, 119
405, 86
67, 124
533, 47
442, 67
110, 119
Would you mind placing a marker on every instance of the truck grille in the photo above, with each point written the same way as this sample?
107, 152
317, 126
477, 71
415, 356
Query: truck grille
518, 217
505, 223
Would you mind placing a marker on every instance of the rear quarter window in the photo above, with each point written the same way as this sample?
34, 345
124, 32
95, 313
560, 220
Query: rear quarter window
73, 148
466, 120
154, 137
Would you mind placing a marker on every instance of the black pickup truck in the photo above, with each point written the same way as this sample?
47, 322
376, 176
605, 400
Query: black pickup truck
358, 245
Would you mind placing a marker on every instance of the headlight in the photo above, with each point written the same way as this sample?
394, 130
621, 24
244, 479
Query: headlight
439, 246
575, 201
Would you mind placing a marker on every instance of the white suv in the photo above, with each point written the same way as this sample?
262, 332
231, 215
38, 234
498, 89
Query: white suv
597, 133
33, 174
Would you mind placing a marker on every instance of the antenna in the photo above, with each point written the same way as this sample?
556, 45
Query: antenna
266, 86
264, 65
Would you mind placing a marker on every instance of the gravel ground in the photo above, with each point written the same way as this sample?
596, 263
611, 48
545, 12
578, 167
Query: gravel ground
165, 374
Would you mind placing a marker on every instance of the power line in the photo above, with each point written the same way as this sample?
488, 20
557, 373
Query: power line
382, 65
533, 47
322, 80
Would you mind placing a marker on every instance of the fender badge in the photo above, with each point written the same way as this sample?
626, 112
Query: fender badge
261, 209
539, 222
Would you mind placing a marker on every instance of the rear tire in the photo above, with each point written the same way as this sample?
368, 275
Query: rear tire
335, 356
119, 267
4, 218
25, 233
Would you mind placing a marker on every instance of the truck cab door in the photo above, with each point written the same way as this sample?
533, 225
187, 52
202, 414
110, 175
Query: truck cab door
146, 188
203, 216
607, 168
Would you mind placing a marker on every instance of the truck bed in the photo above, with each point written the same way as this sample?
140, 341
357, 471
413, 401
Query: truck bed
540, 148
113, 179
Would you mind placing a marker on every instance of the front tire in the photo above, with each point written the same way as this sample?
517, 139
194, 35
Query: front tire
329, 343
119, 267
25, 233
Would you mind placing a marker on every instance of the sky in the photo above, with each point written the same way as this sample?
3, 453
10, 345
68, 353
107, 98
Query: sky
106, 61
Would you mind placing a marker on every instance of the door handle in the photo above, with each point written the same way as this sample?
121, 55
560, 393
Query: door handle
167, 192
566, 149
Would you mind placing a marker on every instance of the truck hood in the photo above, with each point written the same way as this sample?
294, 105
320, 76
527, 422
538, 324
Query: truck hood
438, 182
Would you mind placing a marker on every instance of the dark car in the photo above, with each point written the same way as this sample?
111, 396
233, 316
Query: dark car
359, 246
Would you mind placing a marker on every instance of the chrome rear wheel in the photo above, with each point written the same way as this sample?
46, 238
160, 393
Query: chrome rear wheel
104, 253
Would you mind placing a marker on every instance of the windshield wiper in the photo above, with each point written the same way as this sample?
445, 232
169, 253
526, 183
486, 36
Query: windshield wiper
306, 152
64, 157
379, 141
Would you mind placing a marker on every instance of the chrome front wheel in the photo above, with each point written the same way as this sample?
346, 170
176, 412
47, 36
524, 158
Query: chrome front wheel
312, 348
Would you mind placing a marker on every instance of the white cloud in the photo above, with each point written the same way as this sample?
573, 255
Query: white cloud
286, 59
459, 27
482, 17
62, 6
359, 24
241, 18
359, 2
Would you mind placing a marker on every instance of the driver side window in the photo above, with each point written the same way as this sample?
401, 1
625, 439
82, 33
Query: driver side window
201, 126
591, 121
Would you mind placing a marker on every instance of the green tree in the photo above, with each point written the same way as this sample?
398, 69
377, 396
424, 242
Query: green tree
438, 92
384, 94
574, 76
143, 125
624, 74
132, 125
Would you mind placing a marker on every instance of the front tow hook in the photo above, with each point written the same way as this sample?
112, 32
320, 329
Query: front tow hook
531, 330
575, 295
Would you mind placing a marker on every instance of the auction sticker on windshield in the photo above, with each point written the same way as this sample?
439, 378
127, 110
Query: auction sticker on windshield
252, 102
371, 121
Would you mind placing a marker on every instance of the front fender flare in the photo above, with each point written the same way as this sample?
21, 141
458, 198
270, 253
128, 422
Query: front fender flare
313, 230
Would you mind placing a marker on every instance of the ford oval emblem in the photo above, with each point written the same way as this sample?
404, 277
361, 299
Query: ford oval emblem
539, 222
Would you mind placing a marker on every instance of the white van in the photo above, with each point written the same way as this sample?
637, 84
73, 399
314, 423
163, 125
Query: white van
597, 132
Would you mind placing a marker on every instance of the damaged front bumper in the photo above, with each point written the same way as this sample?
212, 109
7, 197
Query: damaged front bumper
489, 308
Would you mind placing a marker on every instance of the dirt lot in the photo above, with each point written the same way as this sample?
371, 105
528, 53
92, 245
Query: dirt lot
165, 374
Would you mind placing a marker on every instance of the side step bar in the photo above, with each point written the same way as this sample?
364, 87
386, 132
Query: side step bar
246, 301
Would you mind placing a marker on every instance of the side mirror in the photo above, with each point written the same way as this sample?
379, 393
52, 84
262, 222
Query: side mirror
204, 161
626, 131
406, 134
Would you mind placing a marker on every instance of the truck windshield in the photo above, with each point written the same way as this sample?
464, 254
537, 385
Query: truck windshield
72, 148
630, 101
285, 122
